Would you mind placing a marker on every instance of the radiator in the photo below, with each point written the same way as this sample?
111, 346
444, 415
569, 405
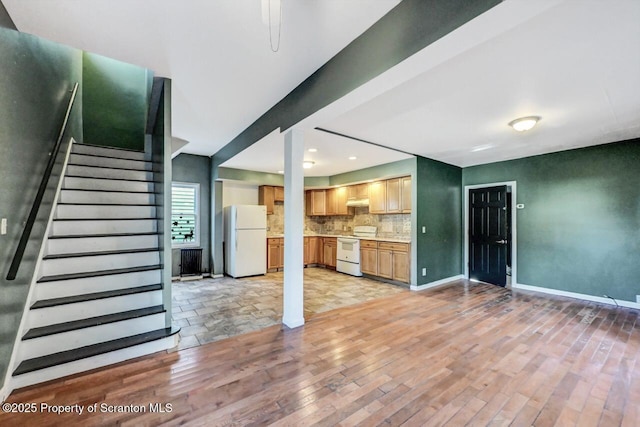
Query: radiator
191, 262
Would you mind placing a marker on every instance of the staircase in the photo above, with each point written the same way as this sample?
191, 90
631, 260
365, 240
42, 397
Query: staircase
98, 298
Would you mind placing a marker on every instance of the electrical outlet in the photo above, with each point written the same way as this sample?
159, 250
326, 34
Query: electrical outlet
424, 272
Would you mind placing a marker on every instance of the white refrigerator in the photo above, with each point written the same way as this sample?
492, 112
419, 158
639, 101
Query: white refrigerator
245, 230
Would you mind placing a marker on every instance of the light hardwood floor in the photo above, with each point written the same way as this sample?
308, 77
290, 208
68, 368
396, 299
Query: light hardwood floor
465, 354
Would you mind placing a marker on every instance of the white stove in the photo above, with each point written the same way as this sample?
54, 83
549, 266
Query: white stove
348, 253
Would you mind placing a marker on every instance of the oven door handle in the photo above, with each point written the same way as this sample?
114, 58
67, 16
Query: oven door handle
343, 240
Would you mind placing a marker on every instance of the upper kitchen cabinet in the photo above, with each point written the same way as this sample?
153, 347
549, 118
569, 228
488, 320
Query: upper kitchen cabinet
390, 196
278, 194
266, 197
357, 192
316, 202
393, 195
332, 201
405, 194
378, 197
337, 201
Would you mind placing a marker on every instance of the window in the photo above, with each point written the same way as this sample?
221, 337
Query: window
185, 224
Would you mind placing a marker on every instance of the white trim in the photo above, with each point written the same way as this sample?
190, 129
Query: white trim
8, 380
514, 228
5, 391
602, 300
437, 283
196, 231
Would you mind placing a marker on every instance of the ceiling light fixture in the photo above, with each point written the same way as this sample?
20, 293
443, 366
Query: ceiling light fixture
312, 150
524, 123
308, 164
352, 158
280, 171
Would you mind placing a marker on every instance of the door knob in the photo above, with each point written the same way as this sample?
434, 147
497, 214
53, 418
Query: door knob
502, 242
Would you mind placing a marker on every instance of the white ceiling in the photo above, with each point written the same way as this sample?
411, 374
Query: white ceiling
575, 63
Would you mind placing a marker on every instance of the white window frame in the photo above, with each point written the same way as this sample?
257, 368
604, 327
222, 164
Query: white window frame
196, 231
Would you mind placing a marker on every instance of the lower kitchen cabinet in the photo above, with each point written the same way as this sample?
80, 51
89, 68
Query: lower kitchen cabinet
385, 259
329, 250
312, 250
369, 257
275, 253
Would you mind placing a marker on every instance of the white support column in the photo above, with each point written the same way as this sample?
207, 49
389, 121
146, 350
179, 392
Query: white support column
293, 292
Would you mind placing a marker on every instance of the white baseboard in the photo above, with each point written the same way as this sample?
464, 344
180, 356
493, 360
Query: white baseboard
602, 300
437, 283
293, 323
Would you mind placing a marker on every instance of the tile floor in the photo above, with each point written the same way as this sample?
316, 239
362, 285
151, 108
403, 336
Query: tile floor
214, 309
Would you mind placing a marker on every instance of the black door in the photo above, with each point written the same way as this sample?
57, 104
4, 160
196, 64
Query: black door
488, 235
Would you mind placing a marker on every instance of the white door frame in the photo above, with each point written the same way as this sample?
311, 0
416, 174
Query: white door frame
514, 228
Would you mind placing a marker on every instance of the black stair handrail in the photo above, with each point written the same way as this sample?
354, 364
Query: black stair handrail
24, 239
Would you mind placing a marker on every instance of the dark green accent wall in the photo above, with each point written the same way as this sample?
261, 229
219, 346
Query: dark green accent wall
5, 18
116, 96
406, 29
196, 169
580, 228
35, 78
438, 208
259, 178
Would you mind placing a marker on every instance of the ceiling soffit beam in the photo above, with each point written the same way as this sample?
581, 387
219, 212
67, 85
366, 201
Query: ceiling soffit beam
406, 29
5, 18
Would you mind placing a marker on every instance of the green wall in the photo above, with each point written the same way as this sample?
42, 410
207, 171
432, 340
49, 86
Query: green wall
580, 228
438, 209
401, 167
195, 169
115, 102
35, 78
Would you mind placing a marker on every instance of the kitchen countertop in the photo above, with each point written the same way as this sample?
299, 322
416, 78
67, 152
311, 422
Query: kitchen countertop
379, 239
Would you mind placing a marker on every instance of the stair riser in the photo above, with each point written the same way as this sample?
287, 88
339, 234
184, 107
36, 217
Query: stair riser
94, 362
69, 312
89, 171
106, 151
74, 228
103, 197
90, 285
66, 246
55, 343
104, 211
105, 184
107, 162
50, 267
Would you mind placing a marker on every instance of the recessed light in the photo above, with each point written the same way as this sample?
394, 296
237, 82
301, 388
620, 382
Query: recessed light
280, 171
481, 148
524, 123
308, 164
352, 158
312, 150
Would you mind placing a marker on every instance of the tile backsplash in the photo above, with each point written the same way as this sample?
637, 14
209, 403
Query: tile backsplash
389, 225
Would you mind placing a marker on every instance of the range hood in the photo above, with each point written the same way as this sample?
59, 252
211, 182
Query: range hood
357, 203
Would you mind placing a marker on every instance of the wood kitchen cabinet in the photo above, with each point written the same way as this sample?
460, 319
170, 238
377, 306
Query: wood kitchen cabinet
393, 261
316, 202
313, 250
390, 196
378, 197
329, 250
369, 257
275, 253
278, 194
393, 196
358, 192
405, 199
266, 197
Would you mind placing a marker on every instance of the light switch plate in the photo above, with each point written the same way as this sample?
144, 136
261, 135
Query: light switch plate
3, 226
